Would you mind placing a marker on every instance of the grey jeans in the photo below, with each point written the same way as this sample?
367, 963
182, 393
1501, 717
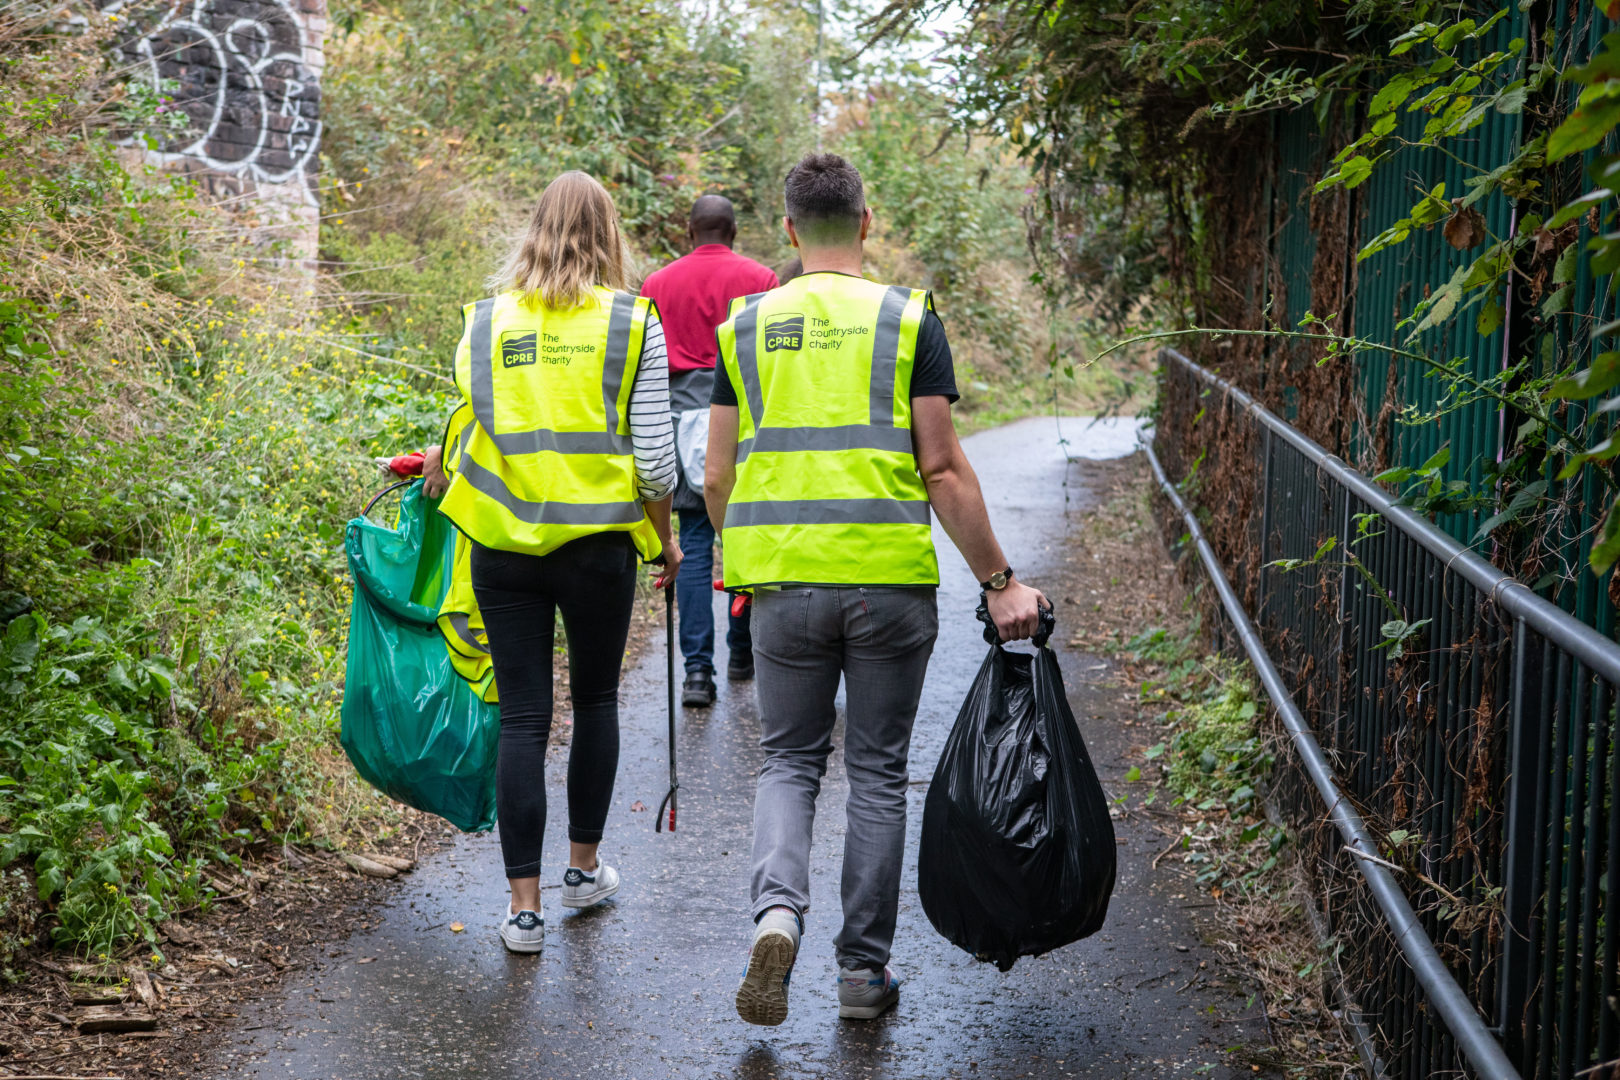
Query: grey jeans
879, 640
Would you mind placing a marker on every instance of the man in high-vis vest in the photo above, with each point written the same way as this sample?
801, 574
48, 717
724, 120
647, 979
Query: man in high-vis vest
830, 441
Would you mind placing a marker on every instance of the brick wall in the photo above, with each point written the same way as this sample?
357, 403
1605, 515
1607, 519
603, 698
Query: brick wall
250, 84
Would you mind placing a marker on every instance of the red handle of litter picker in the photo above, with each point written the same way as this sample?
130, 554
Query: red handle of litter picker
407, 464
739, 600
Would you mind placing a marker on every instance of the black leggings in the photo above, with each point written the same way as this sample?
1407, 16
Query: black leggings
593, 582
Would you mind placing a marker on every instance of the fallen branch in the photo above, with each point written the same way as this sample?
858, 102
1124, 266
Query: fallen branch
1173, 845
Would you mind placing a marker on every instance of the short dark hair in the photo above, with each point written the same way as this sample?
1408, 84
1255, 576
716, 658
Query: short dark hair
825, 198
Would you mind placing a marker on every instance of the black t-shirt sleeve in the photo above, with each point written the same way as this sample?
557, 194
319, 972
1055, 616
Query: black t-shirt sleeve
933, 371
723, 393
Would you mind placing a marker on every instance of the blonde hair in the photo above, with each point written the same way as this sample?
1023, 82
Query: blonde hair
571, 246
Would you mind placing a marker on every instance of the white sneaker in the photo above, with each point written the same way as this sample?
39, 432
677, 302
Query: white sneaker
763, 994
582, 890
523, 932
864, 994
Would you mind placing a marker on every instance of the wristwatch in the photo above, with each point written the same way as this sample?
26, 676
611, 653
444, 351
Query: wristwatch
998, 580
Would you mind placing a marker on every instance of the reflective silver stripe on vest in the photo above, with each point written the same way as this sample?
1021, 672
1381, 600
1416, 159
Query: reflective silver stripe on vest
481, 358
548, 513
846, 437
886, 354
748, 359
618, 358
620, 323
458, 622
829, 512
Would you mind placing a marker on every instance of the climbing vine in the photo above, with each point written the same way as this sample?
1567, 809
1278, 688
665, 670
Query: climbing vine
1141, 123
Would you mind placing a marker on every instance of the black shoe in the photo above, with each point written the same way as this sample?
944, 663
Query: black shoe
698, 690
740, 668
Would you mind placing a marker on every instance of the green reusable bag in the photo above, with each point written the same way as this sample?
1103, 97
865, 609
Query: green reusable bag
413, 727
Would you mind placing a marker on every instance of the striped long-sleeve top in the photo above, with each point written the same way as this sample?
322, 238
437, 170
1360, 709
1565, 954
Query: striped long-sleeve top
651, 432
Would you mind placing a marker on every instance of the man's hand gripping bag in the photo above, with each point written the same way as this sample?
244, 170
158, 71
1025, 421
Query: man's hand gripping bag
1017, 852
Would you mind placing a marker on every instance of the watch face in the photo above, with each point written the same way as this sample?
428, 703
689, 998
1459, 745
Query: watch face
998, 580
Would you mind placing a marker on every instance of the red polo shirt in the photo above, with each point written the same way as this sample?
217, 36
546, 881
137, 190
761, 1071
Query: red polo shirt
694, 295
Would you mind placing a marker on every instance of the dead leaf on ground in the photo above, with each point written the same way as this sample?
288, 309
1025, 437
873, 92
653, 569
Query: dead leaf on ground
456, 928
637, 807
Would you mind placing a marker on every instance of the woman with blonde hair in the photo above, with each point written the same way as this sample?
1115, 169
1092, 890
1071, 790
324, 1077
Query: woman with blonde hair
560, 463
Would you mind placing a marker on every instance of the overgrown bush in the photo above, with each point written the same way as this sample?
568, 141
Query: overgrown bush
181, 448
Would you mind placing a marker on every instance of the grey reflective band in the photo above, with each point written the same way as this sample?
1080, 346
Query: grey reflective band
549, 513
748, 361
886, 354
458, 622
482, 389
829, 512
618, 358
847, 437
481, 358
557, 442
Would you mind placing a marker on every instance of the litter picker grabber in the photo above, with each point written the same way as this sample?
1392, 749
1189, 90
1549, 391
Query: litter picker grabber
669, 672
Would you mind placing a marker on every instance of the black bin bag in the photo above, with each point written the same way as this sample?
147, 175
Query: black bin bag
1017, 852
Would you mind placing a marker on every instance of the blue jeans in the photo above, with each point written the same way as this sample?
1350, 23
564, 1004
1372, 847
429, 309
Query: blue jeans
694, 597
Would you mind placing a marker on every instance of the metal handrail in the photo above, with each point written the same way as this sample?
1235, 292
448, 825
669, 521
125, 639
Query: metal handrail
1598, 653
1473, 1037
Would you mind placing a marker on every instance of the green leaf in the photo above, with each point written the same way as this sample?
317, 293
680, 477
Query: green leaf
1394, 94
1587, 126
1524, 499
1603, 451
19, 649
161, 670
1441, 305
1133, 775
1606, 549
1572, 210
1564, 269
1603, 375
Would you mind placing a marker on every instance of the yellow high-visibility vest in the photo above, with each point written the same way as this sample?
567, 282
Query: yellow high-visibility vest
827, 489
540, 452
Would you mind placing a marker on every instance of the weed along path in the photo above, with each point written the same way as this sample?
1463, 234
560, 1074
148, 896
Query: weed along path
642, 988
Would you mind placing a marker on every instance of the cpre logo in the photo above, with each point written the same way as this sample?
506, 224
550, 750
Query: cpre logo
785, 332
517, 349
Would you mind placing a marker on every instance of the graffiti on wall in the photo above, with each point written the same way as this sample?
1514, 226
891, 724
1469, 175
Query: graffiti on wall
249, 82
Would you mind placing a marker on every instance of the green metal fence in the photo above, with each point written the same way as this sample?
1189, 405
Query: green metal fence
1384, 289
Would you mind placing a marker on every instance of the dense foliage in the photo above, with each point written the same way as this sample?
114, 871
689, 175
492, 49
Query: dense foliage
1142, 121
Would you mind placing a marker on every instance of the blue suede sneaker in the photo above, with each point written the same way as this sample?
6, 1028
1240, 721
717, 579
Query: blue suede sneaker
864, 994
762, 995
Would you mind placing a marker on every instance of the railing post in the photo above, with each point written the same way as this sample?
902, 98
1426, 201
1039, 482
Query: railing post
1261, 593
1522, 855
1339, 674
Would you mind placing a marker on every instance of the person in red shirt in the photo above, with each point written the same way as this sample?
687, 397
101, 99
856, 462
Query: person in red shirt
694, 295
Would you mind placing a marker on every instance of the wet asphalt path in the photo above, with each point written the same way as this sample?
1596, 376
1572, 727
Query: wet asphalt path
642, 987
